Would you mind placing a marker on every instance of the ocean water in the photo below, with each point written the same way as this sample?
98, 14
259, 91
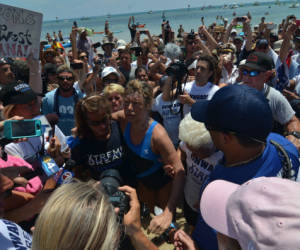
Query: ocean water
190, 18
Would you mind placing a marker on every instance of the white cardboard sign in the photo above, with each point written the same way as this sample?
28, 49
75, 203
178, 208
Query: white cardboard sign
20, 32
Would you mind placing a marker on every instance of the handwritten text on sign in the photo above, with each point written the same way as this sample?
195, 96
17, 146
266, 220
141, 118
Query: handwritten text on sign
20, 32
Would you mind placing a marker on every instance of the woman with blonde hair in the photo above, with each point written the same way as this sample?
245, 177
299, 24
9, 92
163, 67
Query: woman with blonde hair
149, 150
115, 94
77, 215
98, 144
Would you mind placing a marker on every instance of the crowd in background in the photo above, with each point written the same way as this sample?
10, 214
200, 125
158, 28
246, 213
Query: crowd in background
173, 113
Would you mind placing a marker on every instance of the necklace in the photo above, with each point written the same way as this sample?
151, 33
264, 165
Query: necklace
246, 161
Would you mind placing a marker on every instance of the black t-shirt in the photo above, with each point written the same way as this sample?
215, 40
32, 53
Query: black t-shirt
99, 155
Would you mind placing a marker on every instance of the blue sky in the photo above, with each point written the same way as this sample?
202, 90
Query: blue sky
79, 8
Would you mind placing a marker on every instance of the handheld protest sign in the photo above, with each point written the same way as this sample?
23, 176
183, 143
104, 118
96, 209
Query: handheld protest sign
20, 32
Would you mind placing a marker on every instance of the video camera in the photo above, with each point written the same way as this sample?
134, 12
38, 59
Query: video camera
177, 70
111, 180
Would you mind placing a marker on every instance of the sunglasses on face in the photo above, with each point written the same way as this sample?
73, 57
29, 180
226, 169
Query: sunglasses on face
98, 123
61, 78
111, 98
251, 73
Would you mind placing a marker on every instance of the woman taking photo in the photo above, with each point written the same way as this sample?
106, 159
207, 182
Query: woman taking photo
149, 150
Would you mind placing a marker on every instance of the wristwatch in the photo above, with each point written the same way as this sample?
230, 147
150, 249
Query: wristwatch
294, 133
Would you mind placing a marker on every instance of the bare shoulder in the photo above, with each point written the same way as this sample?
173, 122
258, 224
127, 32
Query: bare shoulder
159, 132
161, 139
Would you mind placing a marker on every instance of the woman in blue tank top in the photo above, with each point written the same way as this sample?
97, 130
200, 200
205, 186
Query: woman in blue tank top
149, 149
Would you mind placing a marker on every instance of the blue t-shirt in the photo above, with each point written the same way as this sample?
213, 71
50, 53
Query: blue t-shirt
268, 164
66, 108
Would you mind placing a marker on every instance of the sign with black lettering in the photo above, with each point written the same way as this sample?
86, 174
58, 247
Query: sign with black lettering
20, 32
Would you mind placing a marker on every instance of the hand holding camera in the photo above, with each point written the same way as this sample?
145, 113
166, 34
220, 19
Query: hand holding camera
132, 220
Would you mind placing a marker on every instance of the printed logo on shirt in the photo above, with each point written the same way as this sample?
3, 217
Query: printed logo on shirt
105, 158
199, 170
66, 109
199, 97
16, 239
170, 111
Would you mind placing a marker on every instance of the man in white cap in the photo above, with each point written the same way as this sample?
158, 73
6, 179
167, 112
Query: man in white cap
110, 75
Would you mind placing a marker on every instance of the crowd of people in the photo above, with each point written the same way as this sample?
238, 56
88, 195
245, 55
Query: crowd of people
207, 121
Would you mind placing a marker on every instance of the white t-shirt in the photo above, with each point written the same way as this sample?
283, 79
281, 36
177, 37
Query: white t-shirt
170, 112
205, 92
13, 237
197, 171
229, 78
27, 149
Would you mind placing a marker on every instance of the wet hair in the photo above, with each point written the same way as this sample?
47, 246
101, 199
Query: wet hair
94, 103
212, 65
77, 216
136, 86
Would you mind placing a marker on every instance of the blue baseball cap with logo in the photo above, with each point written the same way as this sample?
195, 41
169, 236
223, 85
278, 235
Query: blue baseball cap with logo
236, 108
16, 93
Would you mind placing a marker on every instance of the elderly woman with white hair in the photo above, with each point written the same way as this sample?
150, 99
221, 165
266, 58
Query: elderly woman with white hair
199, 156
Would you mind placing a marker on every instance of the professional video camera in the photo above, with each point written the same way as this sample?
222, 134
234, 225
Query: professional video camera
177, 70
111, 180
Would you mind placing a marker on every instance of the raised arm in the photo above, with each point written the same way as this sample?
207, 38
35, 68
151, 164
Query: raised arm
248, 34
285, 46
74, 43
202, 46
129, 22
228, 30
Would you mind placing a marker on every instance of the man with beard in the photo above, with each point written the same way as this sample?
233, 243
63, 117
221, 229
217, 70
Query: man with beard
6, 74
61, 101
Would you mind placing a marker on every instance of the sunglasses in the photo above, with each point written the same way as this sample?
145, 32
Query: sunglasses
251, 73
65, 78
105, 120
111, 98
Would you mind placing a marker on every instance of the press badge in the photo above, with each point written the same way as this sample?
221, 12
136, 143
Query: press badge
49, 166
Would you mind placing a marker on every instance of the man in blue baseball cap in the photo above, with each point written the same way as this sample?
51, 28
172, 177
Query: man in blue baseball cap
239, 120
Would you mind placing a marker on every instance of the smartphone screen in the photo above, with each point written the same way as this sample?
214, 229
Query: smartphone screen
24, 128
